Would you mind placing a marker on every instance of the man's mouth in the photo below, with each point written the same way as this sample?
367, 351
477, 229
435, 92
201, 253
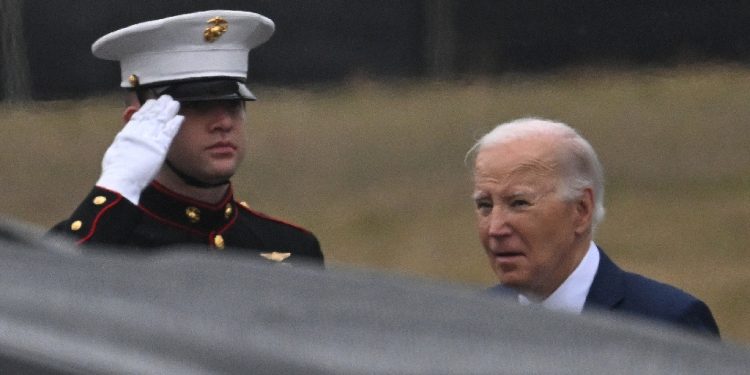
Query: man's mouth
222, 147
506, 255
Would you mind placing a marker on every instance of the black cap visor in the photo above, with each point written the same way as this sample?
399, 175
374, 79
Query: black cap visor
204, 90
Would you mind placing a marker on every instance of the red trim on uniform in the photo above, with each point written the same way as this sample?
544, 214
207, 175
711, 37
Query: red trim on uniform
211, 237
165, 190
229, 223
262, 215
98, 216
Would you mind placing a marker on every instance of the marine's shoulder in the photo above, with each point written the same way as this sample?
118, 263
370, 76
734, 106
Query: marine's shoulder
279, 234
267, 221
104, 216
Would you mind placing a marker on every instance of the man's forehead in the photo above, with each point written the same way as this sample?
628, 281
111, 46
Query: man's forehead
519, 181
514, 170
510, 158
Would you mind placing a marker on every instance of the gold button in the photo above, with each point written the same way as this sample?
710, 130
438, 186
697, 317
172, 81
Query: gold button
76, 225
228, 211
100, 200
244, 204
219, 241
193, 214
133, 80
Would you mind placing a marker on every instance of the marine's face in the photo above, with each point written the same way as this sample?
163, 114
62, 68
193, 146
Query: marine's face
529, 233
211, 142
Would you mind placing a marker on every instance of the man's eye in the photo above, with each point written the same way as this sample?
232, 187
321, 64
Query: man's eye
519, 203
483, 205
232, 106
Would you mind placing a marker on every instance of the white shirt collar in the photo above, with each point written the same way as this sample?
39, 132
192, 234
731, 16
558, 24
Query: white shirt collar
571, 295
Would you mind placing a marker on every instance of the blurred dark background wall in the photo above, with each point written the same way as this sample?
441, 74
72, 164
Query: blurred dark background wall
331, 40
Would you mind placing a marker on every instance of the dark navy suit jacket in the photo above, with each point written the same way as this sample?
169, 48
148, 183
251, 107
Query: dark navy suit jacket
619, 291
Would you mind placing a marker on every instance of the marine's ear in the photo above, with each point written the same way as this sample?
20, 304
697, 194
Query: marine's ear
128, 113
132, 105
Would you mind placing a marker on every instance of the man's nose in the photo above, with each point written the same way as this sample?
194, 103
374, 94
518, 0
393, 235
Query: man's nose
499, 225
222, 120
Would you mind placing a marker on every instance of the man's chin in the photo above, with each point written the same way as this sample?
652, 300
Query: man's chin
221, 172
217, 176
220, 178
512, 281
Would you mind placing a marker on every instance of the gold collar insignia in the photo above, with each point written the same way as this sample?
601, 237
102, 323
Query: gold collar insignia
276, 256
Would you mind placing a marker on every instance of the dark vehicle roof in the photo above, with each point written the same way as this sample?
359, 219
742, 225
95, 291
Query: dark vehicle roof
184, 311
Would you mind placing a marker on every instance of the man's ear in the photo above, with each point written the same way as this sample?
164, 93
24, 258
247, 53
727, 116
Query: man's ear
128, 113
585, 211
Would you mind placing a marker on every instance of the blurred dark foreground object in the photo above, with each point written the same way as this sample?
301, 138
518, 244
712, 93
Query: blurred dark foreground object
64, 311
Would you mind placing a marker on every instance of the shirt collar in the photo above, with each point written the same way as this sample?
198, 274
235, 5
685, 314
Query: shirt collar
571, 295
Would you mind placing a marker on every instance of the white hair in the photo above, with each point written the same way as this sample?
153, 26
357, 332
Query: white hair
581, 167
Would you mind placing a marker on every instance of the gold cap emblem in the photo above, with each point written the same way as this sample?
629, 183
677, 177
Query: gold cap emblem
276, 256
218, 27
133, 80
193, 214
100, 200
219, 241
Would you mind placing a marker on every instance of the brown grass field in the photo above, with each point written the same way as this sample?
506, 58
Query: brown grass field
377, 170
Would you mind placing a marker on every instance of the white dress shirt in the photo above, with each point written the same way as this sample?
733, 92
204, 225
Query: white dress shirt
571, 294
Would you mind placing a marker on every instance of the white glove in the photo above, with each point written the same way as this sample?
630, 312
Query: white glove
139, 149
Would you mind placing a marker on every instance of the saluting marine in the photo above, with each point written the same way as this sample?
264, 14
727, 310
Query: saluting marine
166, 177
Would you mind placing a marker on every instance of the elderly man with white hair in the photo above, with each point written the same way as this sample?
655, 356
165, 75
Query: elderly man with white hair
538, 190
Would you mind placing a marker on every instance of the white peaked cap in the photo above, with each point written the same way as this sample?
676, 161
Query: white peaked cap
186, 47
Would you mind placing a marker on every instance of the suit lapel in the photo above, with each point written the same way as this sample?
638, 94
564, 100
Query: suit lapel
608, 288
